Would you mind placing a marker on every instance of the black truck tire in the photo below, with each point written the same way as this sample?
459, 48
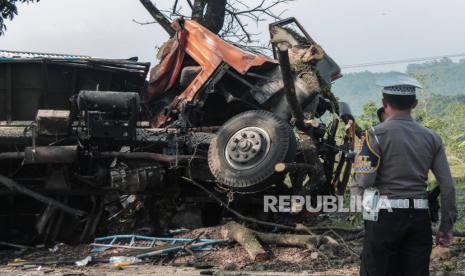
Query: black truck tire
246, 149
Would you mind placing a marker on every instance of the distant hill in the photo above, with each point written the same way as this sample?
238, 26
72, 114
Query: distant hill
443, 77
357, 89
439, 105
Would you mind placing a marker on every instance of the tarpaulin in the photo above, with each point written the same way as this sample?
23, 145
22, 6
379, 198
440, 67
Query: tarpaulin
164, 75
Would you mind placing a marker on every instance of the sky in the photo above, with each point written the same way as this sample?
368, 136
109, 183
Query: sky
351, 31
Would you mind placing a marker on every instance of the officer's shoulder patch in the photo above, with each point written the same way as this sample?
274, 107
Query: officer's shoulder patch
367, 160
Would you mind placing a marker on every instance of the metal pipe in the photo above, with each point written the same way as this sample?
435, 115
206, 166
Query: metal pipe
11, 155
12, 185
148, 156
176, 130
176, 248
44, 155
50, 155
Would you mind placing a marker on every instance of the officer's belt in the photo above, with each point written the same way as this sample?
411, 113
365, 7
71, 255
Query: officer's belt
408, 203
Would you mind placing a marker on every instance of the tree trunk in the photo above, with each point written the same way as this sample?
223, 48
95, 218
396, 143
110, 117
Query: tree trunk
250, 240
245, 237
197, 10
214, 15
210, 13
307, 241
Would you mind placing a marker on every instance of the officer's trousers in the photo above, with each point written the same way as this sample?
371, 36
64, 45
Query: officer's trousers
399, 243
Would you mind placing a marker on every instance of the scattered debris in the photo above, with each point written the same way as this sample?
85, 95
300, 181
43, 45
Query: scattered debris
251, 239
151, 245
176, 248
122, 261
178, 231
314, 255
227, 258
84, 261
15, 245
54, 248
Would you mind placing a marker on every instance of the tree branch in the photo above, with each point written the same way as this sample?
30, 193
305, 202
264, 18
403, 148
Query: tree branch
190, 4
230, 19
175, 5
144, 23
242, 26
158, 16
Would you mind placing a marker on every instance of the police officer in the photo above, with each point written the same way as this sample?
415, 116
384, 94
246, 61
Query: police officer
394, 158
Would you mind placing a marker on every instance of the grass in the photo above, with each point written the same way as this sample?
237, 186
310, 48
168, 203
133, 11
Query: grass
457, 168
460, 187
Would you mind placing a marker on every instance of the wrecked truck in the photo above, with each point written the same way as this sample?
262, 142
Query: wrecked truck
79, 135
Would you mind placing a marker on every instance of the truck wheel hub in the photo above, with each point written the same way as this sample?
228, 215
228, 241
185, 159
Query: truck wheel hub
247, 147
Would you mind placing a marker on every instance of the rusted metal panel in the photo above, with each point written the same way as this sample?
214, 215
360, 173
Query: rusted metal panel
48, 83
209, 51
327, 68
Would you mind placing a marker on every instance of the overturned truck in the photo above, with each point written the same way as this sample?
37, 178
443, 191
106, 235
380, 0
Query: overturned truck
80, 136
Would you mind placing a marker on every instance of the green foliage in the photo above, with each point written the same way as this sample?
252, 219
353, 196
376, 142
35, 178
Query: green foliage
8, 10
369, 116
446, 116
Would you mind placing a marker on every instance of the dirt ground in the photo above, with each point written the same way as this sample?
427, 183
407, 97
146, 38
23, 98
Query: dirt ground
229, 259
161, 270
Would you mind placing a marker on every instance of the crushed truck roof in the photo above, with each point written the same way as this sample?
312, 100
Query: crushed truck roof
24, 54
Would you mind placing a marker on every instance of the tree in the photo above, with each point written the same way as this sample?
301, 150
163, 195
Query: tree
8, 10
227, 18
369, 116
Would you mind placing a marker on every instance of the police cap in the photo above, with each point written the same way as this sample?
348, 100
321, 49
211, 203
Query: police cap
398, 84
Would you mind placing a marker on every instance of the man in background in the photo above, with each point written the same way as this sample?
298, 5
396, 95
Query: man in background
381, 114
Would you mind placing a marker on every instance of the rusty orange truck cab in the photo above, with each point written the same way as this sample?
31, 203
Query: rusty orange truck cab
204, 81
196, 60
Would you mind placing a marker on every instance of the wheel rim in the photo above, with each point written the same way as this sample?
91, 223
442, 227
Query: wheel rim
247, 148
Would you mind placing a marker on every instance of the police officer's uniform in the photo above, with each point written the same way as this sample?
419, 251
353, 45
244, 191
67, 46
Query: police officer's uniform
395, 157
